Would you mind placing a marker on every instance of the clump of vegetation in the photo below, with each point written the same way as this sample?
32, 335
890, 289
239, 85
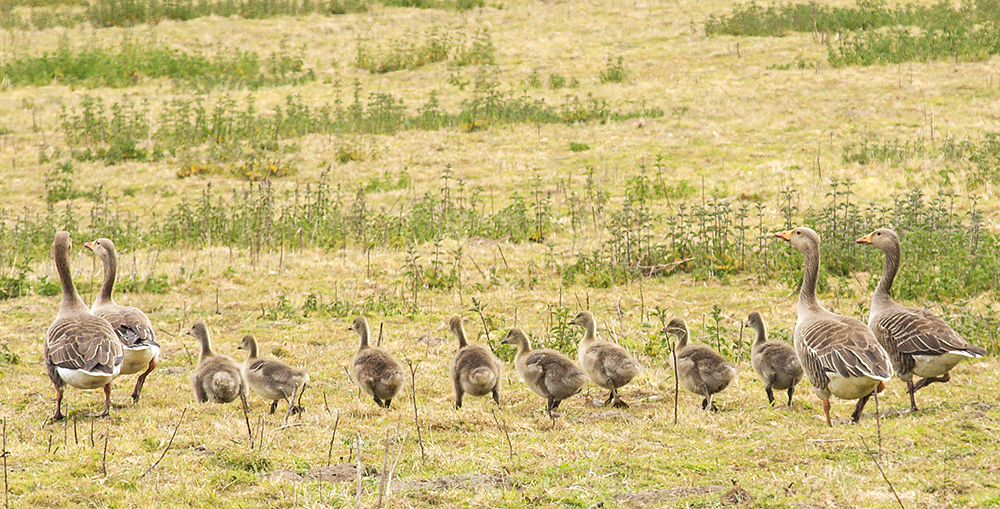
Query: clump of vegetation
875, 33
238, 139
614, 71
980, 157
126, 63
437, 45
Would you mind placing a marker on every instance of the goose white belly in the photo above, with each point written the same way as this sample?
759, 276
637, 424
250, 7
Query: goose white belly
935, 365
137, 358
851, 387
82, 379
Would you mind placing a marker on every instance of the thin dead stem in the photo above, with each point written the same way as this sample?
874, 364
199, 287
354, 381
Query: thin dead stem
416, 418
246, 417
329, 453
104, 457
165, 449
385, 466
878, 464
357, 443
504, 429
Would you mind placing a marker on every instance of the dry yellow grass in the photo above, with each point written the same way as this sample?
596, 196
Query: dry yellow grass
730, 123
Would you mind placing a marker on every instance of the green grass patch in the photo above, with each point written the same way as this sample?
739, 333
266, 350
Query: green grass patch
126, 63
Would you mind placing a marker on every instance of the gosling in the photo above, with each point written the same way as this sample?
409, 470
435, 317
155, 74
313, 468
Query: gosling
700, 369
273, 379
374, 370
548, 373
607, 364
217, 378
774, 361
475, 370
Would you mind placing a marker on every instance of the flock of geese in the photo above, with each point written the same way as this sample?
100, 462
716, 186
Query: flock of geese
87, 348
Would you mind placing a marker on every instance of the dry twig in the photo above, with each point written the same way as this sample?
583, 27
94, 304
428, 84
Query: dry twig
165, 449
416, 418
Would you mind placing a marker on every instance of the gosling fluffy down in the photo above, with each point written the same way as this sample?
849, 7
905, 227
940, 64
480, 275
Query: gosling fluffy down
775, 362
608, 365
548, 373
217, 377
475, 370
273, 379
374, 370
700, 369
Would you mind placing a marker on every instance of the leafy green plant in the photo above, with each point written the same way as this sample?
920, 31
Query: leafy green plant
614, 71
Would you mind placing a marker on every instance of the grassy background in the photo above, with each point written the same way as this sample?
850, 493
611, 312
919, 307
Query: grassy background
715, 124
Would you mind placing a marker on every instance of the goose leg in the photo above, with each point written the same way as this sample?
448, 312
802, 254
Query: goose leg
458, 393
618, 403
496, 394
550, 407
298, 407
274, 405
387, 402
142, 380
58, 416
107, 402
611, 398
924, 382
704, 403
770, 395
791, 390
910, 389
860, 408
826, 410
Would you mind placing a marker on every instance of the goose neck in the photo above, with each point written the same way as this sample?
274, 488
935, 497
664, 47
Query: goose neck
110, 261
71, 300
892, 257
810, 271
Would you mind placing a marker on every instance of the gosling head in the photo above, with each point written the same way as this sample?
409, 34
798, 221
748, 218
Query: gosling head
247, 343
676, 327
359, 325
755, 321
455, 325
515, 337
583, 319
198, 330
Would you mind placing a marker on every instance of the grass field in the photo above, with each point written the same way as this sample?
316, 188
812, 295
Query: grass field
277, 169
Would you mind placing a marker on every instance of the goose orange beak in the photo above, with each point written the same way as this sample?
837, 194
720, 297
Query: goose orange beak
867, 239
785, 235
90, 245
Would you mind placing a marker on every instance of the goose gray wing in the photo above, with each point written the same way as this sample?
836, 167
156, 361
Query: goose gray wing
131, 325
919, 332
847, 347
83, 342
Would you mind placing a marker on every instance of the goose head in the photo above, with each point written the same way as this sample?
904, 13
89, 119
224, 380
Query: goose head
802, 238
102, 248
882, 238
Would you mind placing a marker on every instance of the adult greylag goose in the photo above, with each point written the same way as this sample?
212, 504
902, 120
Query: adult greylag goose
374, 370
273, 379
80, 349
548, 373
607, 364
132, 326
700, 369
774, 361
217, 377
839, 354
474, 370
918, 341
